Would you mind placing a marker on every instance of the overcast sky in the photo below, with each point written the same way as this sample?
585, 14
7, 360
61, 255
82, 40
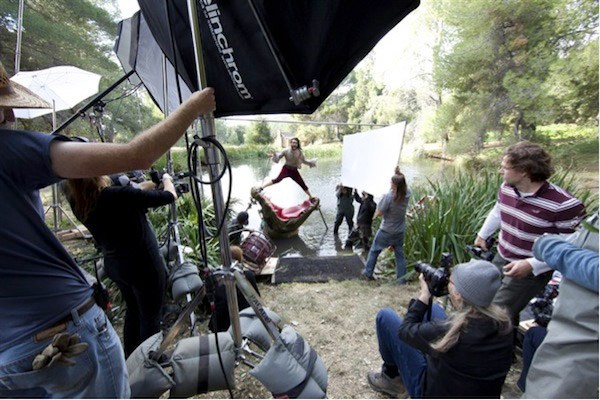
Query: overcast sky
128, 7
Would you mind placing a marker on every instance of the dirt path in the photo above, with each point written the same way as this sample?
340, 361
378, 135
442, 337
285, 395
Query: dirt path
338, 320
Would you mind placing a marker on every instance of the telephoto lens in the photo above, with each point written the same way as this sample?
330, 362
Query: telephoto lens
437, 278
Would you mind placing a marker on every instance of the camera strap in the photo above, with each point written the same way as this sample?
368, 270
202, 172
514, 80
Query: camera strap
101, 294
429, 305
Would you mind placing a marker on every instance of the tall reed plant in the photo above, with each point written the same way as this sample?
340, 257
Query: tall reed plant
446, 214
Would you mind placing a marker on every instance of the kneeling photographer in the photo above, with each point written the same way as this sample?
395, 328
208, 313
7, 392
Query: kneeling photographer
467, 354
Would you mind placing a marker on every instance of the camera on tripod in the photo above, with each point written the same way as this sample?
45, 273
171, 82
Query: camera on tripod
181, 186
437, 278
487, 255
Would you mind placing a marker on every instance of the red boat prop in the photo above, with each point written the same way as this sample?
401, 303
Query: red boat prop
280, 222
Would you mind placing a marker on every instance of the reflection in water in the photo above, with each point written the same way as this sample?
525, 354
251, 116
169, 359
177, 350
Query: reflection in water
315, 237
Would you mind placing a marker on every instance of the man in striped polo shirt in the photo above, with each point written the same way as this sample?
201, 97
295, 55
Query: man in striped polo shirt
527, 207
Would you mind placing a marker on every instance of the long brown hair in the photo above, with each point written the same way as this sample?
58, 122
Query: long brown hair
399, 183
83, 194
459, 321
298, 141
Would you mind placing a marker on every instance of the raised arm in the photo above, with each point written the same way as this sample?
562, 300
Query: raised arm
275, 156
82, 160
311, 163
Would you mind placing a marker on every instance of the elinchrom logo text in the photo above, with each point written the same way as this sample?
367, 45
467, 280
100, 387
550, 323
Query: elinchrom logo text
212, 13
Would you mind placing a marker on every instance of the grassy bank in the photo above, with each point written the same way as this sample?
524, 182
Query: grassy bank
253, 152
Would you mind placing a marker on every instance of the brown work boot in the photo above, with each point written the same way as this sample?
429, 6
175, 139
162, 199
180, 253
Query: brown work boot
382, 383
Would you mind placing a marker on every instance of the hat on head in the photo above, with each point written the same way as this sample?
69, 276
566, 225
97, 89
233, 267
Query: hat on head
13, 95
242, 218
477, 281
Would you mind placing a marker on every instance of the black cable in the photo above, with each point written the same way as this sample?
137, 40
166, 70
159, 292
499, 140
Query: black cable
226, 167
125, 94
212, 140
192, 162
208, 275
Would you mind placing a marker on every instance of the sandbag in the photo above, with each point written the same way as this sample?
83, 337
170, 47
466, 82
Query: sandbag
196, 366
147, 378
184, 279
169, 253
253, 328
292, 369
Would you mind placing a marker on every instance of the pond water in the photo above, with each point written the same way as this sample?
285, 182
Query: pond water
315, 236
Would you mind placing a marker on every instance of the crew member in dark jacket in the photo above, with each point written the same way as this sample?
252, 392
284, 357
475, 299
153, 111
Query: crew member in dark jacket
116, 217
345, 208
465, 355
364, 219
236, 227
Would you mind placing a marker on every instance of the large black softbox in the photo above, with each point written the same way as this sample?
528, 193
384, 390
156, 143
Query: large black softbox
253, 69
137, 51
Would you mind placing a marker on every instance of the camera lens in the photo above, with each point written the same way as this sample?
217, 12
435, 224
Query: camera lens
436, 278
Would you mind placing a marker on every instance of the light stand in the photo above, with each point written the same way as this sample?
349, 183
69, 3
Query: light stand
231, 276
95, 118
173, 222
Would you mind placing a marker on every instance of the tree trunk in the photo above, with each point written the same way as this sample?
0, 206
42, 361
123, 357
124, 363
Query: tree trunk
479, 140
445, 140
518, 122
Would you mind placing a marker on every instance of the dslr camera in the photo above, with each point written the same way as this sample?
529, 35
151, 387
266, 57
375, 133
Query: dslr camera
543, 305
478, 252
437, 278
181, 186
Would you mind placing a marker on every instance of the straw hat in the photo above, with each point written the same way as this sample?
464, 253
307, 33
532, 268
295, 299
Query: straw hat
13, 95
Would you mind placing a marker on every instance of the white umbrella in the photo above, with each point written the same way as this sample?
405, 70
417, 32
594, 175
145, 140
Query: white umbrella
64, 86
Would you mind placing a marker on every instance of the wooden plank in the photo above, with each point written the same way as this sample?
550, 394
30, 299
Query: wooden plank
270, 266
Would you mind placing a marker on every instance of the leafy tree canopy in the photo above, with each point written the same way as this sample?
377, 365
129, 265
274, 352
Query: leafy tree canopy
79, 33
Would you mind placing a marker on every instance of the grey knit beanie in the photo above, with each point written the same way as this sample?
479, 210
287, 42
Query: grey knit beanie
477, 281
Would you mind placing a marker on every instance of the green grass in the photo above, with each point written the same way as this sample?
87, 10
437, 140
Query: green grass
565, 132
251, 152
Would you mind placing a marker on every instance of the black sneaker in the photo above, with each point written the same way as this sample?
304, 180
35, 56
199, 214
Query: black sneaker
382, 383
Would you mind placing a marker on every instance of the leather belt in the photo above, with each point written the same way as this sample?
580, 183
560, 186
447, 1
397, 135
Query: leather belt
61, 325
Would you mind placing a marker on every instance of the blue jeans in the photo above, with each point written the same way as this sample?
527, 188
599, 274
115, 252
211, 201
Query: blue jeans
381, 241
99, 372
532, 340
398, 357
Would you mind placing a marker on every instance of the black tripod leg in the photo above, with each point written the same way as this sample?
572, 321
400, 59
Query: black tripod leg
255, 302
